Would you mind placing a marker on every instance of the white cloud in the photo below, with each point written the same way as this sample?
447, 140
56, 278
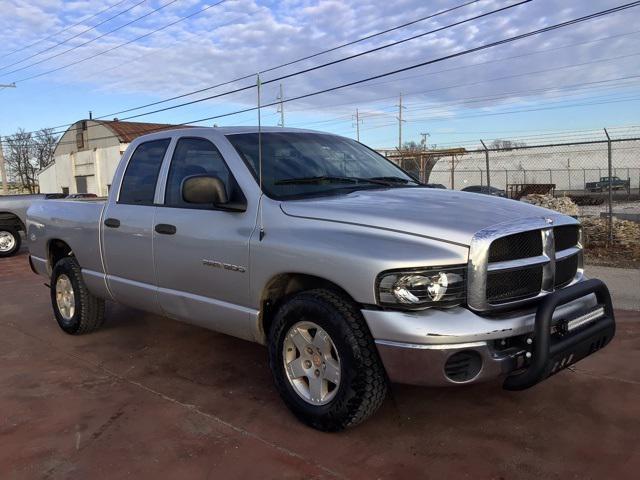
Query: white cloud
243, 36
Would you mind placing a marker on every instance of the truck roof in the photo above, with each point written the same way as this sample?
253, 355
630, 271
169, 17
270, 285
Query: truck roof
240, 129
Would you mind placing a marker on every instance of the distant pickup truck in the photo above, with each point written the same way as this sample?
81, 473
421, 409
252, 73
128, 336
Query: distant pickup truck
603, 184
13, 218
350, 271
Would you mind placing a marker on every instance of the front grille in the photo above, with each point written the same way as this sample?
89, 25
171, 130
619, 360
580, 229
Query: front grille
512, 285
535, 256
566, 236
566, 270
513, 247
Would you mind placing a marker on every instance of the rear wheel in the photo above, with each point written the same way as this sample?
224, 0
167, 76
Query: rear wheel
10, 241
324, 361
76, 309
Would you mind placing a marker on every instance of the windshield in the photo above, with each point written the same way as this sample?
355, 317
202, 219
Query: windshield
305, 164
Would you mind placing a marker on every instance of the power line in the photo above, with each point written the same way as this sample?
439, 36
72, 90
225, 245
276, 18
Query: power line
422, 92
446, 57
122, 44
550, 106
67, 40
334, 62
75, 47
273, 68
418, 65
63, 30
292, 62
501, 59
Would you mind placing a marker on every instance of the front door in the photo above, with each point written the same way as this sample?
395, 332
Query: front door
128, 230
202, 253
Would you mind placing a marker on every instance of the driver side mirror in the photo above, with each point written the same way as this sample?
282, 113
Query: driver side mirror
209, 190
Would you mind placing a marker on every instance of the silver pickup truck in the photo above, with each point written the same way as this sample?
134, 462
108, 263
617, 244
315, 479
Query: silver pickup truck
13, 218
351, 272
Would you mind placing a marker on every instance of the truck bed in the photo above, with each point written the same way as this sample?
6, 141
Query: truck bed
76, 222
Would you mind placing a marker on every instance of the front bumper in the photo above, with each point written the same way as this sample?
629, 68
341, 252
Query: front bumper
457, 346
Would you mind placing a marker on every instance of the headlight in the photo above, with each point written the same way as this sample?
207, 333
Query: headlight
422, 288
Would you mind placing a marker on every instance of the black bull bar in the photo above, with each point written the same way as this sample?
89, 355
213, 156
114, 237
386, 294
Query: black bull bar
554, 352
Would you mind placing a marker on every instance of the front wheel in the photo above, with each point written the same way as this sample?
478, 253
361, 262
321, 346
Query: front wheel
10, 241
76, 309
324, 361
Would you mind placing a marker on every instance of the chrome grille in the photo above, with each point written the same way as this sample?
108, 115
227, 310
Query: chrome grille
512, 263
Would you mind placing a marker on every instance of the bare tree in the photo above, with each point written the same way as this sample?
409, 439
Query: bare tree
27, 154
499, 144
44, 144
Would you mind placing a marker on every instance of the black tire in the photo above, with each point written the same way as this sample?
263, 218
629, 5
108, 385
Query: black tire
363, 382
88, 313
17, 240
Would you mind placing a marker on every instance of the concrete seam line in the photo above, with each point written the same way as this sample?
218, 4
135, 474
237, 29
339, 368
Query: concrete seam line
193, 408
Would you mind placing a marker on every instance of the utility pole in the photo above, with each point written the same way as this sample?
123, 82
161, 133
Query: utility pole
358, 122
3, 171
281, 107
400, 107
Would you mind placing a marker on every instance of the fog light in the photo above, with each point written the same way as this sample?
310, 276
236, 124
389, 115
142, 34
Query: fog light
463, 366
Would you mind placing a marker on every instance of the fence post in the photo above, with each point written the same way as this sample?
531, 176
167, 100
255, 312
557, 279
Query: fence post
584, 179
609, 166
481, 177
452, 173
486, 158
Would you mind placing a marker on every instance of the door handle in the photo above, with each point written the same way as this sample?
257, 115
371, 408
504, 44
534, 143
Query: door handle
112, 222
166, 229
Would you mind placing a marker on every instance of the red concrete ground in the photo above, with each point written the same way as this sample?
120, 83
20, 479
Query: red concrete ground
147, 397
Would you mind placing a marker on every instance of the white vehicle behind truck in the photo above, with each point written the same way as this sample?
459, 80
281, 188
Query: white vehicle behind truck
350, 271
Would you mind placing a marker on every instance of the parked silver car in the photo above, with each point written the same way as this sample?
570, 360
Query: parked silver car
13, 216
351, 272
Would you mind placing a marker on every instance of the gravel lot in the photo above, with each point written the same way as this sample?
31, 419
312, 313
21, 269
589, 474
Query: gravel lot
147, 397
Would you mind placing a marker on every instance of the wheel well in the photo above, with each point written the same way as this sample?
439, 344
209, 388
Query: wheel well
8, 219
282, 286
58, 249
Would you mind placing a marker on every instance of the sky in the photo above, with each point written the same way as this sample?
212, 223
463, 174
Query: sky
69, 57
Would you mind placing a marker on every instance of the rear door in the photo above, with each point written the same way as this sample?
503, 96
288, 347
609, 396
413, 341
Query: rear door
202, 253
128, 229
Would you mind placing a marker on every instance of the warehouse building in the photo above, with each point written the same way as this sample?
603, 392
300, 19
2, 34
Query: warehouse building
87, 154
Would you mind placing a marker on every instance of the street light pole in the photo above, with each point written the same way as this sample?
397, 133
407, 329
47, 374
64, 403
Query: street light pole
3, 171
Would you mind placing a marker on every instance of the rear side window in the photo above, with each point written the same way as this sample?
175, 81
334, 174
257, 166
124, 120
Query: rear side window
195, 156
141, 176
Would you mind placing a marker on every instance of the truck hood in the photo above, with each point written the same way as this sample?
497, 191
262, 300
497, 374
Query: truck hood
446, 215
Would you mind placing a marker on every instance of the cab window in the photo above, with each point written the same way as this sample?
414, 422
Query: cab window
140, 178
193, 157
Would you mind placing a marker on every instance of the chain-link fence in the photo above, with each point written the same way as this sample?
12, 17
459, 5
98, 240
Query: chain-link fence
601, 177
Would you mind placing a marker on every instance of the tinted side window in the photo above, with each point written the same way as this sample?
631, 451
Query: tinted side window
195, 156
141, 176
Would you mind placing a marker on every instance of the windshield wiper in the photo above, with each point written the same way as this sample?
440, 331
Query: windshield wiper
330, 179
392, 180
